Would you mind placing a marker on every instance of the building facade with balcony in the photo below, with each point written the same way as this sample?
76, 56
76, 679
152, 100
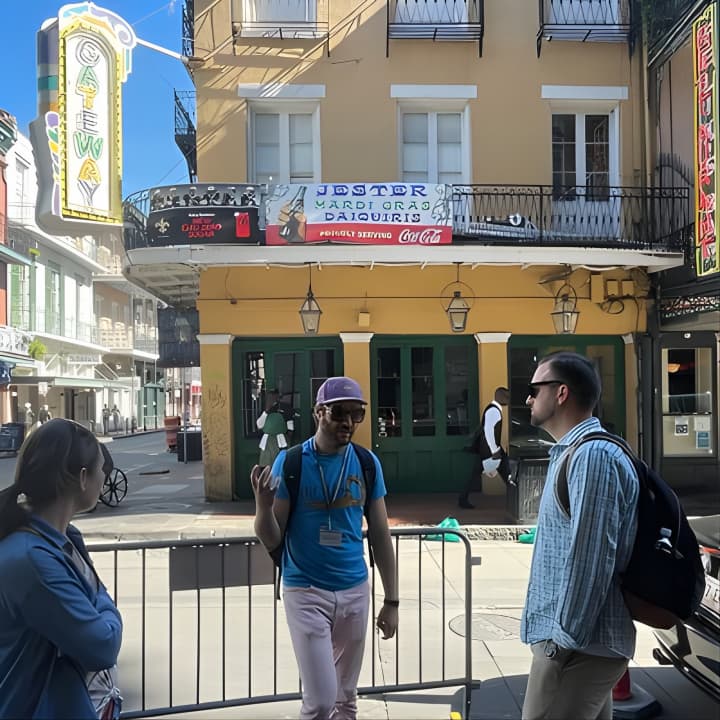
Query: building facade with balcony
525, 124
57, 300
681, 366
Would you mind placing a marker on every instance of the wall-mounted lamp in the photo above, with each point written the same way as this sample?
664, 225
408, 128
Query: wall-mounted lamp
310, 311
458, 307
565, 314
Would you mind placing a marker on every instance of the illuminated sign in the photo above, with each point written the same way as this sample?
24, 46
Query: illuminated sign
707, 229
83, 58
359, 213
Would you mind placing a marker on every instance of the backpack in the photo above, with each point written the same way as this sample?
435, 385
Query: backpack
664, 580
292, 470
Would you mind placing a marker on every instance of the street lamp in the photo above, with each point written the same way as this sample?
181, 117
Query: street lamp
310, 311
565, 314
457, 312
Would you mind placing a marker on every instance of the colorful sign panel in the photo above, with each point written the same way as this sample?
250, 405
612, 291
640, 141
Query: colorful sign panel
359, 213
204, 214
707, 227
83, 59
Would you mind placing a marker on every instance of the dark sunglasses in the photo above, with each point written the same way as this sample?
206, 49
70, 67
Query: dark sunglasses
534, 387
340, 412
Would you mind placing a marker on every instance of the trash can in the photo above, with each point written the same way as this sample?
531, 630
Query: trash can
523, 498
194, 445
11, 436
172, 425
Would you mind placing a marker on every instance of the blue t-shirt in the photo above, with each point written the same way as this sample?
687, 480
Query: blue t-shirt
305, 561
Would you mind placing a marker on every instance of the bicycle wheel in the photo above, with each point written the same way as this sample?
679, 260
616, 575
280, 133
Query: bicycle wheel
114, 488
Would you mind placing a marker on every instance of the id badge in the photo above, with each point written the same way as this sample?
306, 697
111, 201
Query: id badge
330, 538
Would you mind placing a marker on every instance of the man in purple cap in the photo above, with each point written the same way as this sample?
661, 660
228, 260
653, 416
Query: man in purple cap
325, 578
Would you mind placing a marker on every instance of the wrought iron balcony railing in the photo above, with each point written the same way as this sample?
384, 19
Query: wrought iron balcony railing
448, 20
585, 20
666, 21
658, 219
609, 217
281, 19
188, 28
185, 129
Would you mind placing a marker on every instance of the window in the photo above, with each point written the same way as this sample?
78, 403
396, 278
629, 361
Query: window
433, 147
53, 301
581, 156
285, 145
20, 297
687, 401
266, 17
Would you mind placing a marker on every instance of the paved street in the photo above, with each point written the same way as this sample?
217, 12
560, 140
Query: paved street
165, 500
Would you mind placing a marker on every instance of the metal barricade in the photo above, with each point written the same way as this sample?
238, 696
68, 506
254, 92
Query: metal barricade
203, 628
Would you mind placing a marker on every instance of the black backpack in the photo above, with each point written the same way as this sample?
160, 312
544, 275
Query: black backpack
664, 580
292, 470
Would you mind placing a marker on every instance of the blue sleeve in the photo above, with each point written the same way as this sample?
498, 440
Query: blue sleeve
380, 489
593, 488
277, 471
57, 607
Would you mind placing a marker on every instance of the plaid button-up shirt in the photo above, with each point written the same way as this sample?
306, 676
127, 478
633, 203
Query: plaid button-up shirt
574, 595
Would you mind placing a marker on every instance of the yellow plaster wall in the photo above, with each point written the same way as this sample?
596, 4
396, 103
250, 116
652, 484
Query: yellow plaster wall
217, 420
510, 123
357, 366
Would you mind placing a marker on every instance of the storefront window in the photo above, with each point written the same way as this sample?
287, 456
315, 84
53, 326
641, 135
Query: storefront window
389, 392
687, 402
456, 390
423, 408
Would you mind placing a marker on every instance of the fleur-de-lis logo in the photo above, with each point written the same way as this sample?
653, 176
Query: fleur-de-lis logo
162, 225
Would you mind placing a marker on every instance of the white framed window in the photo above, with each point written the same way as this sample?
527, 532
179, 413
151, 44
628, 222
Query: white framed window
284, 142
434, 145
264, 17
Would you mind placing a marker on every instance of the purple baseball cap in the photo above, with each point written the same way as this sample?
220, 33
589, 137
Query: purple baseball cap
337, 389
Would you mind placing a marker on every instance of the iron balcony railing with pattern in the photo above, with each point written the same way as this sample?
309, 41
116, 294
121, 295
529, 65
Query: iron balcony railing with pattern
281, 20
188, 28
445, 20
668, 23
185, 129
585, 20
578, 216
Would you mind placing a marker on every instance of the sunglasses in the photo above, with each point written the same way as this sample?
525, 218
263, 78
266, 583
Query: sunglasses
340, 412
534, 387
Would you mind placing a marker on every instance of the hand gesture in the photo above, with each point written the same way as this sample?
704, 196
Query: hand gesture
387, 621
262, 485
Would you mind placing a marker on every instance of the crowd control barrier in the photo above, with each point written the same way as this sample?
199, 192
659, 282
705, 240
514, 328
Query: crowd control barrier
203, 628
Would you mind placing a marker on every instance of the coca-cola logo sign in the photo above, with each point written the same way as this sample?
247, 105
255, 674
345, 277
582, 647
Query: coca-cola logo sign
426, 236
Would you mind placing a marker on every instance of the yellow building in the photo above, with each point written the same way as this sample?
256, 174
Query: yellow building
531, 124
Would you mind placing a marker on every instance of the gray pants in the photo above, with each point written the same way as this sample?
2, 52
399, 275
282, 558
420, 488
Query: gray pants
571, 686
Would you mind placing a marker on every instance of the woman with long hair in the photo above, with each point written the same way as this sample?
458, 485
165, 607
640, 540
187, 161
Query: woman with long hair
58, 625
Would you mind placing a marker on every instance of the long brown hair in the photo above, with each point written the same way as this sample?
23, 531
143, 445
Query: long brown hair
48, 465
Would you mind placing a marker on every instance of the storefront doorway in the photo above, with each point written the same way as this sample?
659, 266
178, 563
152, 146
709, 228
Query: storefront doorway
295, 368
424, 407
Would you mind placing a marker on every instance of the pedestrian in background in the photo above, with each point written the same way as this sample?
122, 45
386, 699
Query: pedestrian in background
575, 618
490, 458
59, 628
325, 578
277, 425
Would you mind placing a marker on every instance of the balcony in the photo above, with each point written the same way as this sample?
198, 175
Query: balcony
185, 132
443, 20
121, 338
585, 20
188, 29
281, 20
13, 341
668, 22
581, 216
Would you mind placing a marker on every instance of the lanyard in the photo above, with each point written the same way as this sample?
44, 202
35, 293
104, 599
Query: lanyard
326, 490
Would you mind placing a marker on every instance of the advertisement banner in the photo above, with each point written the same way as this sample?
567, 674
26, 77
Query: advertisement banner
204, 215
707, 228
359, 213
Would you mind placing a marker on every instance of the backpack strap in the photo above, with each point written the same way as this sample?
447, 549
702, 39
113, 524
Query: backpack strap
561, 484
367, 463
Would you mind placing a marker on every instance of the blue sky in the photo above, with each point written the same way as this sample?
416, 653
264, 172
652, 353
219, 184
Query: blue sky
150, 154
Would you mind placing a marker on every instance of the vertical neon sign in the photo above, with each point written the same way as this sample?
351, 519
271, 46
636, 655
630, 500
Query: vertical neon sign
707, 229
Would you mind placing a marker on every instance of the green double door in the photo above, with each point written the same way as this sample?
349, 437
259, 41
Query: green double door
296, 368
424, 407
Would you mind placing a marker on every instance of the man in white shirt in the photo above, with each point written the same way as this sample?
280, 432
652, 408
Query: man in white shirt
490, 458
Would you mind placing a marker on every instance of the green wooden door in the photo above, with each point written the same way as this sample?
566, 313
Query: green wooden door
296, 368
424, 407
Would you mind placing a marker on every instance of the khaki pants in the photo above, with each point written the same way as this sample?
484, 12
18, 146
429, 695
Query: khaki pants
571, 686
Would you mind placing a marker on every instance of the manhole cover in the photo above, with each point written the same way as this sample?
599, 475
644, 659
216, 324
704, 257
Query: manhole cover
488, 626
